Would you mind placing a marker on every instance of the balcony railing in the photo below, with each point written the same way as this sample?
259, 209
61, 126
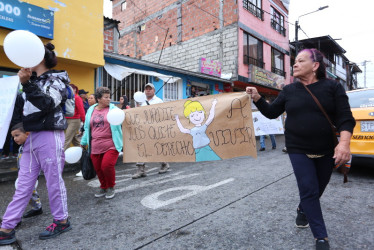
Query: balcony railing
278, 71
250, 60
278, 27
256, 11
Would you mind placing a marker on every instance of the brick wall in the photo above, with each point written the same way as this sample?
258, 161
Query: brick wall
144, 25
108, 40
186, 54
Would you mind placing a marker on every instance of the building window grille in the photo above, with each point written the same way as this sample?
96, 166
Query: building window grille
277, 62
252, 49
128, 86
277, 22
171, 91
255, 7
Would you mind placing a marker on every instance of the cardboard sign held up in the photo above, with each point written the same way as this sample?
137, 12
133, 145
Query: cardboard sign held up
198, 129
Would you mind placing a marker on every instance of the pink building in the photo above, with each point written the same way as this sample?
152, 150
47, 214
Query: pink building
246, 40
264, 54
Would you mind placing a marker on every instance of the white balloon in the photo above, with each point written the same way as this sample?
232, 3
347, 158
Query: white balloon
24, 48
115, 116
139, 97
73, 154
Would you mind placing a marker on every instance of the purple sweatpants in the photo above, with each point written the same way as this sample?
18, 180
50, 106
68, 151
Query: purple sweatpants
42, 151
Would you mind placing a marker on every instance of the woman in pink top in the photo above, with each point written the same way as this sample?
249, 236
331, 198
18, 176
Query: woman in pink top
104, 141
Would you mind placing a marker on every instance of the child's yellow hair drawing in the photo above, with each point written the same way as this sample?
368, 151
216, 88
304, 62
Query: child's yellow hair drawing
192, 106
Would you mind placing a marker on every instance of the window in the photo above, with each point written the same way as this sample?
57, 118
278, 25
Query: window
255, 7
277, 62
252, 50
277, 21
123, 5
128, 86
171, 91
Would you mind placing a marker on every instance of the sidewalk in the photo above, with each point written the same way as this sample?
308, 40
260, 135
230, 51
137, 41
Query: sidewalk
9, 170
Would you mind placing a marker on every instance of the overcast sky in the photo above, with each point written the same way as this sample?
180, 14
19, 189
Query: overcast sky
350, 21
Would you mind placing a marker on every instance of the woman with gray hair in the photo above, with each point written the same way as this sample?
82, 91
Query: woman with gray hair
104, 141
309, 136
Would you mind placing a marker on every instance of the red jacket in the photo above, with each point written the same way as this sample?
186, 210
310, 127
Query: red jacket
79, 109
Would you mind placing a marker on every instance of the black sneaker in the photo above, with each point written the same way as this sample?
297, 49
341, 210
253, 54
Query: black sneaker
32, 213
301, 220
261, 149
322, 244
7, 238
55, 229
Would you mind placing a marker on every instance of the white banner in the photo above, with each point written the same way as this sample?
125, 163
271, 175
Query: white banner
265, 126
8, 94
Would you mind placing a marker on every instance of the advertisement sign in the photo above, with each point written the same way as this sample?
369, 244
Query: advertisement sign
17, 15
264, 77
210, 67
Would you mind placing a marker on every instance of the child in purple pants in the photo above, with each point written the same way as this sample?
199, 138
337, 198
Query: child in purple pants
43, 97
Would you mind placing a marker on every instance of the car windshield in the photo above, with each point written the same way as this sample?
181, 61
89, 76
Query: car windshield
361, 99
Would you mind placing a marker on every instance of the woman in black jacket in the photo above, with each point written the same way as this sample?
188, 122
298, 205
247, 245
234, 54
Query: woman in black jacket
309, 135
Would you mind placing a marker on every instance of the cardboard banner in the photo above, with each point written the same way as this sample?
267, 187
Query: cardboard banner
265, 126
8, 94
198, 129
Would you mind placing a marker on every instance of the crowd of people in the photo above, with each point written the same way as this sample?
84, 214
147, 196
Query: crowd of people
42, 131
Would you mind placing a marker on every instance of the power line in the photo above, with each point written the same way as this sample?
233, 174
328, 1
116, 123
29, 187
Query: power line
146, 15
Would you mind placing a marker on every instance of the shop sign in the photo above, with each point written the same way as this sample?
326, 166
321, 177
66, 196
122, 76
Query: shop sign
264, 77
17, 15
210, 67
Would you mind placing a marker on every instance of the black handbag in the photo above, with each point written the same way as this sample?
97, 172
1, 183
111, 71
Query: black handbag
87, 168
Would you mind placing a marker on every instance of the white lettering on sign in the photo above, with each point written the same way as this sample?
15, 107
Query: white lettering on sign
10, 9
152, 201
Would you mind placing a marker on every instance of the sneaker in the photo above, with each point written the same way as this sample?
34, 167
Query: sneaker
164, 168
301, 220
274, 148
261, 149
79, 174
110, 193
284, 150
4, 157
100, 193
32, 213
140, 172
322, 244
55, 229
7, 238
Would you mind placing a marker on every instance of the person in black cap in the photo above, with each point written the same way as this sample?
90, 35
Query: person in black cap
83, 94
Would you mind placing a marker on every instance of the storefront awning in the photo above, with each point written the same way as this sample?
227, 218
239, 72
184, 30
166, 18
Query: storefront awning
120, 72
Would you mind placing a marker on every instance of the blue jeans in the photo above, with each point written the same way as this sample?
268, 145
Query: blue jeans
312, 176
262, 141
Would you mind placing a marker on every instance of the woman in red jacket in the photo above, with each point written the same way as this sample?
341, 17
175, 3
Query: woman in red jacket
74, 122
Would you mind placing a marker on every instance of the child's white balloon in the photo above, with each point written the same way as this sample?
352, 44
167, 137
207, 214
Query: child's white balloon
73, 154
115, 116
139, 97
24, 48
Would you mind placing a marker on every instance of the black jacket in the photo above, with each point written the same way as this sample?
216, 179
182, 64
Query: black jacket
307, 129
43, 97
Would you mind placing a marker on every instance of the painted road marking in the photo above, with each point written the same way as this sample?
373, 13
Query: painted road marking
152, 201
146, 183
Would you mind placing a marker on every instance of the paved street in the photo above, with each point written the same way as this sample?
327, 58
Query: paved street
242, 203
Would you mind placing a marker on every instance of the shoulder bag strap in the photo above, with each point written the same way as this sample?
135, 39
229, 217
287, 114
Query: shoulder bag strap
320, 107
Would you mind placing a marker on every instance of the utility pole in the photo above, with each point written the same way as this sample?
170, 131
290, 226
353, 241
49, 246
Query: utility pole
296, 38
364, 64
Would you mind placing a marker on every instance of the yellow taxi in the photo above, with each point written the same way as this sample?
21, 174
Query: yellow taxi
362, 106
